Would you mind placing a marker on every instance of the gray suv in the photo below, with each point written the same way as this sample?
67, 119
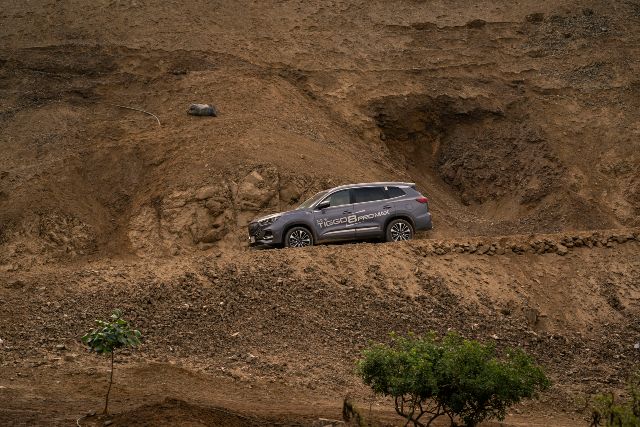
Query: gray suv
392, 211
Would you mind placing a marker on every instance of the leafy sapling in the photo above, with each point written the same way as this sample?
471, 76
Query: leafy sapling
464, 380
107, 337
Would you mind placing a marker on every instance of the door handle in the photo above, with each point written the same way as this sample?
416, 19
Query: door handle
386, 207
346, 212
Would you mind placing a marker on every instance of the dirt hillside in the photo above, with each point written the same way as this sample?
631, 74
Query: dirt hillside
518, 120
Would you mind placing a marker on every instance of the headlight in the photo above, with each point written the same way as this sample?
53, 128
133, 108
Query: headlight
268, 221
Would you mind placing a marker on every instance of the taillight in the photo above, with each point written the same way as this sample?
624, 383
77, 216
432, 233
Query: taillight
422, 200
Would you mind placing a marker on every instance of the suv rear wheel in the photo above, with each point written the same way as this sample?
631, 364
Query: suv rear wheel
399, 230
298, 237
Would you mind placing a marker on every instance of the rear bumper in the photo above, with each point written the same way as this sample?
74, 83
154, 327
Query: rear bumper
423, 222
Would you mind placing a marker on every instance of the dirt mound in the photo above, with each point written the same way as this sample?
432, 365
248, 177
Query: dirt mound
177, 412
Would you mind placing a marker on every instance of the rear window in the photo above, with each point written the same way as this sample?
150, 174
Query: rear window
395, 192
369, 194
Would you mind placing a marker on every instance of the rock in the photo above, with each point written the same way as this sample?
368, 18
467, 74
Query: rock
107, 423
255, 192
531, 314
621, 238
476, 23
562, 250
60, 347
70, 357
91, 413
205, 193
483, 249
202, 110
205, 246
16, 284
215, 206
500, 250
290, 193
535, 17
439, 251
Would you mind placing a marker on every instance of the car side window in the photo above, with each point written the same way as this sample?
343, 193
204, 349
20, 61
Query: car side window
395, 192
338, 198
369, 194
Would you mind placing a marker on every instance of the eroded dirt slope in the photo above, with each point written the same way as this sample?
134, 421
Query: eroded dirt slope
510, 119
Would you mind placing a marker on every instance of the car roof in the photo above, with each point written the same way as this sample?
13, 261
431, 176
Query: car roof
377, 184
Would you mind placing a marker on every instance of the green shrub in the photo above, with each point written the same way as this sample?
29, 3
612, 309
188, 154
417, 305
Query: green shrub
107, 337
626, 413
429, 377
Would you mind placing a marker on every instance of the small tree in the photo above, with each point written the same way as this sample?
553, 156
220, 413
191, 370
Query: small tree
107, 337
460, 378
611, 413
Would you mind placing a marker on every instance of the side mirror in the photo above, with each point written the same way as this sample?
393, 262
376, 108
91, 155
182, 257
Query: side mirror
323, 205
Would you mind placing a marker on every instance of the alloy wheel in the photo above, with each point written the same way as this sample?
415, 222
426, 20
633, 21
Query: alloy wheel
299, 238
400, 231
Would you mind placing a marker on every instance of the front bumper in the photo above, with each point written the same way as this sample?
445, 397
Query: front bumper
263, 236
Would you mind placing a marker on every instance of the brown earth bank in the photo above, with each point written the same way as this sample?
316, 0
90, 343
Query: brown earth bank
292, 324
519, 121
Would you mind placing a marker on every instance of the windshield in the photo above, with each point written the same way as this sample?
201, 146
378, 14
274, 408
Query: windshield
312, 200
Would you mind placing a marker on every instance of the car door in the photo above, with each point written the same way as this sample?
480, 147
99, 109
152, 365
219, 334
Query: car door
371, 209
332, 222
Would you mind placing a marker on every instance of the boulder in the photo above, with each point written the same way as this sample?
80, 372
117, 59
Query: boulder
202, 110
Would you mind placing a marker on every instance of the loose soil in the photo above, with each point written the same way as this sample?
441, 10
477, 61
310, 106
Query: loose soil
518, 121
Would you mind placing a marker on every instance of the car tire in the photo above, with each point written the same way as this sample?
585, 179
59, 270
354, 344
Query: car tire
399, 230
298, 237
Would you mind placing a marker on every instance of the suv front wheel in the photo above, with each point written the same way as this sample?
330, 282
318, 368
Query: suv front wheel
298, 237
399, 230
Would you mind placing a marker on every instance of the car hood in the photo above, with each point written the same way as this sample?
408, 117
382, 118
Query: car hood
286, 213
